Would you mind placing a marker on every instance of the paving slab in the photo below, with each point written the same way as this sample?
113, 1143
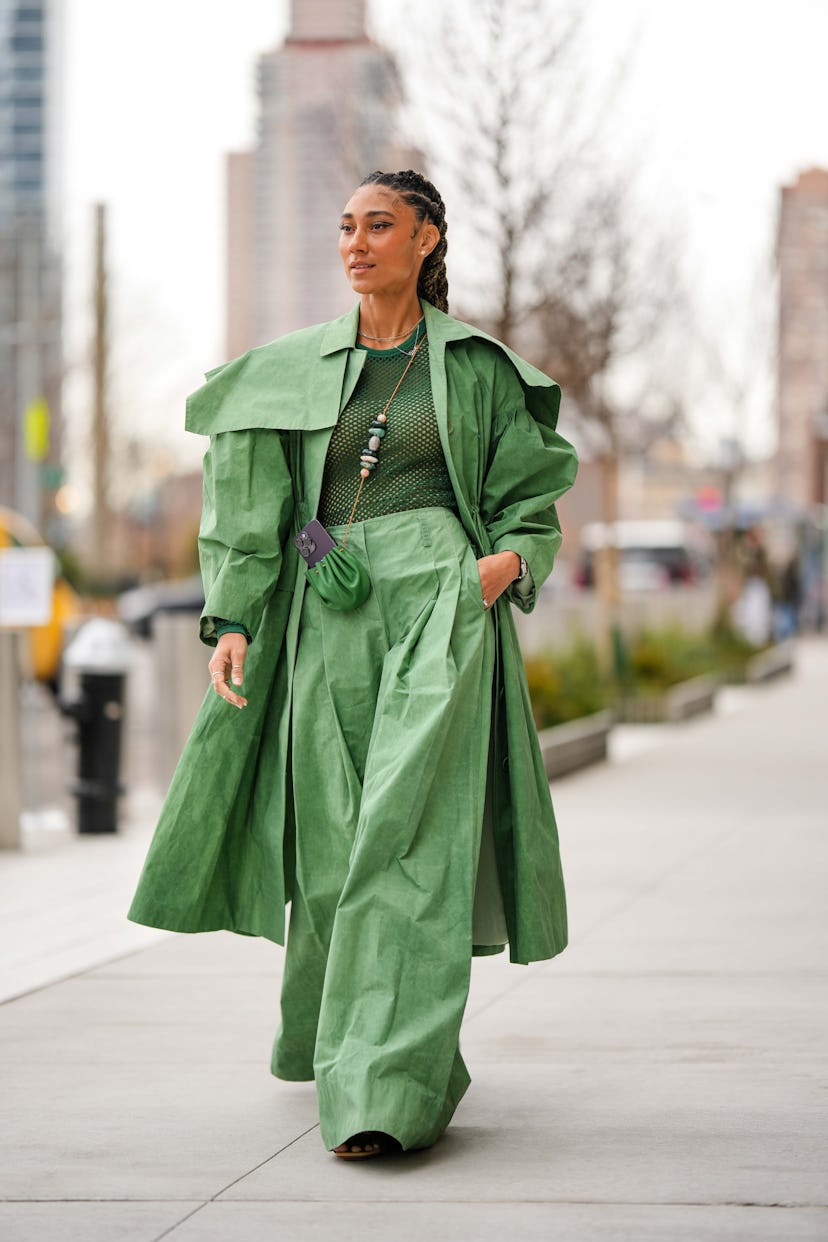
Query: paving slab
145, 1131
669, 1133
90, 1222
62, 902
655, 1018
492, 1222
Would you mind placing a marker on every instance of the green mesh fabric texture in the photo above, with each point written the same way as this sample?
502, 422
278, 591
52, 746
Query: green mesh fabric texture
411, 473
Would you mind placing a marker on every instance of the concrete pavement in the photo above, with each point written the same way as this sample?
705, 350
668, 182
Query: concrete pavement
665, 1078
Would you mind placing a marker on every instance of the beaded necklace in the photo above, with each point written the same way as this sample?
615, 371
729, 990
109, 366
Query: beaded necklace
369, 457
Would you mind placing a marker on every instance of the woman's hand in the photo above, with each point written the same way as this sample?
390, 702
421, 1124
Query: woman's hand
227, 665
496, 573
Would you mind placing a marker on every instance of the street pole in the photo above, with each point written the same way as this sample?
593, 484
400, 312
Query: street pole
10, 755
728, 582
101, 514
29, 386
606, 562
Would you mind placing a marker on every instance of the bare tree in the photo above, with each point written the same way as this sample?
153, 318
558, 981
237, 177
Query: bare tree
737, 357
556, 255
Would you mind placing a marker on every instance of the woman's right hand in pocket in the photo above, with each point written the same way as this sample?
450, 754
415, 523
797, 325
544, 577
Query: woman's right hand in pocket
227, 667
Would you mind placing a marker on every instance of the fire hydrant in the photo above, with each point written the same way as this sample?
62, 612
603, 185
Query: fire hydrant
98, 657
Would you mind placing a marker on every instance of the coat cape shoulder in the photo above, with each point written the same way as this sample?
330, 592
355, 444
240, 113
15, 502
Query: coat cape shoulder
281, 385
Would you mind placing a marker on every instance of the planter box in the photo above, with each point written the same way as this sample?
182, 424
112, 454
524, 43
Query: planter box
777, 661
681, 702
577, 744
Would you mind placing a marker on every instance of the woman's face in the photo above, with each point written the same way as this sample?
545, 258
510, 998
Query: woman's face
381, 244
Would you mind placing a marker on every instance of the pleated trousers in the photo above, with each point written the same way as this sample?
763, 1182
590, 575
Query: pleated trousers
390, 740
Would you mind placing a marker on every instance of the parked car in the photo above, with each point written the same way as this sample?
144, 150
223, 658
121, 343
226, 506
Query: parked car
138, 607
651, 554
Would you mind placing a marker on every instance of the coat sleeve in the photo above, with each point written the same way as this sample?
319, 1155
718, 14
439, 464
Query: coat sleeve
530, 466
245, 522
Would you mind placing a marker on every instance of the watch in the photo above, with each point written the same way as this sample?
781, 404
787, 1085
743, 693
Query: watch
524, 569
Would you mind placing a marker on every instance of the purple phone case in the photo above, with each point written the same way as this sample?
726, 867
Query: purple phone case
313, 542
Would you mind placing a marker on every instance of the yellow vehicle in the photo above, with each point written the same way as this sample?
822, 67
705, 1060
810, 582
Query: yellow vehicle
45, 642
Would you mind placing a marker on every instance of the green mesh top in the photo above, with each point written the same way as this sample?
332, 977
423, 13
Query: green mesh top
411, 472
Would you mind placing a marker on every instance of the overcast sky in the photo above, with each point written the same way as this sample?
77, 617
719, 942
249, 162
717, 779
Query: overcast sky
726, 100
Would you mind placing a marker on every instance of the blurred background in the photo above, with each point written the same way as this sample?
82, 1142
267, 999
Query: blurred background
637, 199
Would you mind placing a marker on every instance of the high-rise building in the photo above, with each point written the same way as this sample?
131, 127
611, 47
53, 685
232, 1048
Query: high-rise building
802, 399
30, 287
327, 109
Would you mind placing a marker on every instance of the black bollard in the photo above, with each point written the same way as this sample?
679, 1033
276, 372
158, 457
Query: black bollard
100, 656
98, 712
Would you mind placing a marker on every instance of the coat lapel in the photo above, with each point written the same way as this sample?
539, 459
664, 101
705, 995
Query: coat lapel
454, 431
441, 330
335, 374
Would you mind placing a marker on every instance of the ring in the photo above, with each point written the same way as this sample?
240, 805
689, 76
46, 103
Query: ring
215, 676
485, 603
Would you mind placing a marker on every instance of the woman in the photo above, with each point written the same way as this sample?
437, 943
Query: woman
383, 772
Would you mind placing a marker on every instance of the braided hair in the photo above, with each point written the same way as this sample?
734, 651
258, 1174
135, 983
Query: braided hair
425, 201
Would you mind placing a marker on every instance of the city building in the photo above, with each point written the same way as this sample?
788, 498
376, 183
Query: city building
30, 284
802, 399
327, 108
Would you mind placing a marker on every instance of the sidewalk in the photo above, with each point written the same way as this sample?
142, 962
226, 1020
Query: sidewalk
663, 1079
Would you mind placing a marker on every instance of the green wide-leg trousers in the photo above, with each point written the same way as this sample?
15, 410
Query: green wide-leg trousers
391, 720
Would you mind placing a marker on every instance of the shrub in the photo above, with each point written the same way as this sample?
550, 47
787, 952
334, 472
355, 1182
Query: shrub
659, 659
567, 684
733, 650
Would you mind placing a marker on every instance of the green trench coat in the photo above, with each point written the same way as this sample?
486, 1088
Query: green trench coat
222, 854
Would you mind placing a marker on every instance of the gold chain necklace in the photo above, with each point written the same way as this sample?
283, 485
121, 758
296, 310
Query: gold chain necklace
367, 337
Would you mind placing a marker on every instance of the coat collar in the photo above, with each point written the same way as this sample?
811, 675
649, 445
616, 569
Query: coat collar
442, 330
341, 333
